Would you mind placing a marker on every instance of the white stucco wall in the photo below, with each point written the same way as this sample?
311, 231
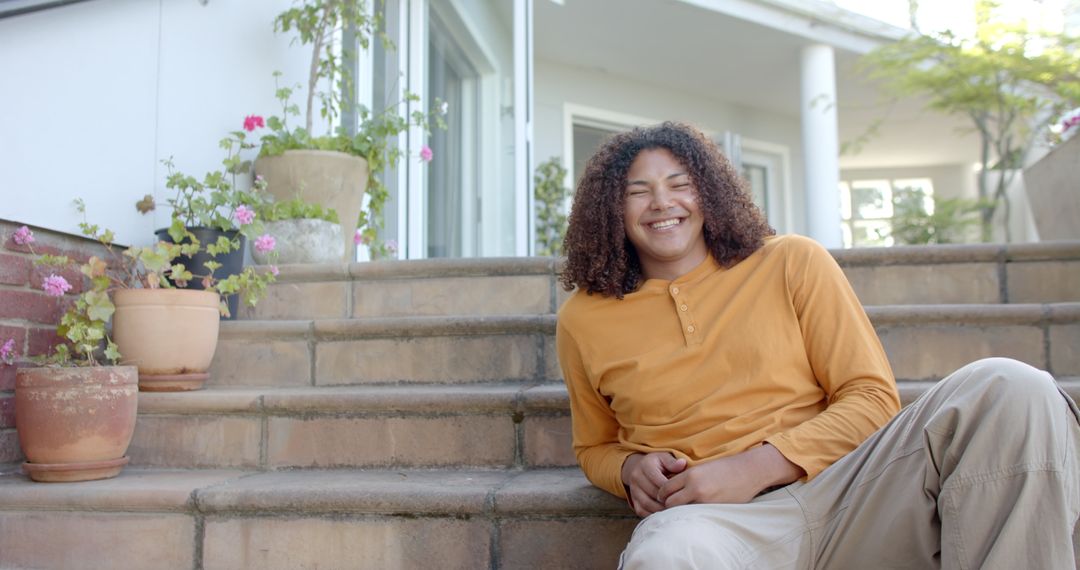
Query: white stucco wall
95, 94
557, 85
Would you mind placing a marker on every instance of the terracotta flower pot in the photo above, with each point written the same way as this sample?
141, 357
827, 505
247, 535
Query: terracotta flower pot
75, 424
334, 179
169, 334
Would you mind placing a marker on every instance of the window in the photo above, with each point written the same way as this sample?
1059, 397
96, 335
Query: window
868, 206
452, 192
587, 140
471, 199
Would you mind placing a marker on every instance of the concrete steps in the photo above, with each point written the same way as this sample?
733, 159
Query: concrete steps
984, 273
229, 519
488, 426
924, 342
479, 426
412, 415
951, 274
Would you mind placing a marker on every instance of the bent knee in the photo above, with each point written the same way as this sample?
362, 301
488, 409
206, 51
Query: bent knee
669, 539
1010, 380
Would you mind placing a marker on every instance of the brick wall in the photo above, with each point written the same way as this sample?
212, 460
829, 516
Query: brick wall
27, 314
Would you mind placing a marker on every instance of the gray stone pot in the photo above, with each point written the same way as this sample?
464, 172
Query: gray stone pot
303, 241
334, 179
1053, 189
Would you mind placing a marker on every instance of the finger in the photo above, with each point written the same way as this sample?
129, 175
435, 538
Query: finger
656, 477
681, 497
644, 504
643, 482
673, 465
673, 485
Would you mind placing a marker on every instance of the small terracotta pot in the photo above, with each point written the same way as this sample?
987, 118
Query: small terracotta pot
75, 424
169, 334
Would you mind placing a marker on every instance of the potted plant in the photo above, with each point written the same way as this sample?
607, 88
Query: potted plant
75, 414
171, 332
167, 331
219, 212
335, 169
303, 232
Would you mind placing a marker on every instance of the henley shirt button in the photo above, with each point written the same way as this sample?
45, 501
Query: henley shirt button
682, 307
674, 290
690, 329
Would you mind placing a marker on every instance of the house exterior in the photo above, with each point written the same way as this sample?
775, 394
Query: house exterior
96, 93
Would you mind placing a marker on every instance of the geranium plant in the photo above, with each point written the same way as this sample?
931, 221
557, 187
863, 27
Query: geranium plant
84, 325
218, 200
318, 24
295, 209
221, 202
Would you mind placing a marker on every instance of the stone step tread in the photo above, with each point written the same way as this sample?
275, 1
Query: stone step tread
416, 398
499, 266
412, 492
384, 327
550, 397
420, 268
508, 286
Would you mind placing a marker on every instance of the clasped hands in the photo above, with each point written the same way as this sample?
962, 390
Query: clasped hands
659, 481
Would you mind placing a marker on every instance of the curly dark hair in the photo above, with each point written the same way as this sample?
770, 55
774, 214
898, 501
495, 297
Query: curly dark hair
601, 259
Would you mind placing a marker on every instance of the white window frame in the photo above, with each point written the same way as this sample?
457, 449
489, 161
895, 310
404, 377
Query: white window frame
523, 127
576, 114
779, 198
412, 226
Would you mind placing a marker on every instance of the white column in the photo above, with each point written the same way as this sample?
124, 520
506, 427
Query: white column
821, 147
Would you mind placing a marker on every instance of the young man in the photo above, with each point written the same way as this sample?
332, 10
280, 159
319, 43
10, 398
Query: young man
727, 382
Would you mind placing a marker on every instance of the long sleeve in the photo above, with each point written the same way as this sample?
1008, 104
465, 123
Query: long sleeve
595, 429
846, 357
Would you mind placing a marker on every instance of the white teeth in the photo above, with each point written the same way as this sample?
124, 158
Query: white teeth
665, 224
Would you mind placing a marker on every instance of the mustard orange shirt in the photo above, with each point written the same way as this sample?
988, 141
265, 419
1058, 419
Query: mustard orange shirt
775, 349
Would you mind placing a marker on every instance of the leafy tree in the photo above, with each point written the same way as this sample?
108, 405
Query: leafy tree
951, 221
1009, 80
550, 193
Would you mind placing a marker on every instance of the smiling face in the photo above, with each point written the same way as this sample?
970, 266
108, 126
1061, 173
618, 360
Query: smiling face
661, 215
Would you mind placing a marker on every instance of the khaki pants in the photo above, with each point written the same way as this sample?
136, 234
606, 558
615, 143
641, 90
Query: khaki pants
980, 472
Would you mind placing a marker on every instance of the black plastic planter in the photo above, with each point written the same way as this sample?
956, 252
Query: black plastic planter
231, 263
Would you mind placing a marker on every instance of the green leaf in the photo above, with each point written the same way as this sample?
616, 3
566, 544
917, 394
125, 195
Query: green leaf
99, 307
112, 352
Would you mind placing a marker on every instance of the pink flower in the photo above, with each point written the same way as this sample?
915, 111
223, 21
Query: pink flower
7, 352
55, 285
252, 122
359, 238
425, 153
391, 246
265, 243
274, 270
23, 236
244, 215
